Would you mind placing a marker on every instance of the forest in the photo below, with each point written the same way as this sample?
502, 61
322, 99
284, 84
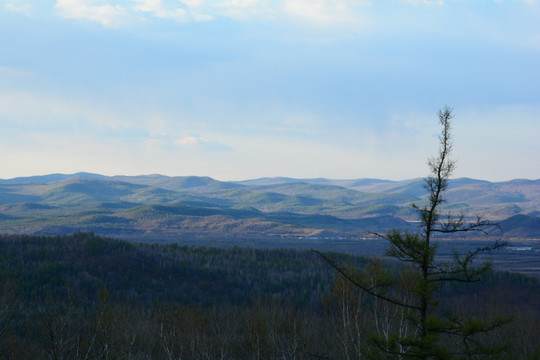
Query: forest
86, 296
83, 296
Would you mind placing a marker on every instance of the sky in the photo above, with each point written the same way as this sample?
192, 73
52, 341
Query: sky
242, 89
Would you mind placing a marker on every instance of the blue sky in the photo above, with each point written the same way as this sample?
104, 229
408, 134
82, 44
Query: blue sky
239, 89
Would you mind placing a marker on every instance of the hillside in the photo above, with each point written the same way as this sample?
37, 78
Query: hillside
83, 294
157, 207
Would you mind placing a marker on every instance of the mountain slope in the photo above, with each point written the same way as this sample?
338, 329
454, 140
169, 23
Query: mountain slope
162, 206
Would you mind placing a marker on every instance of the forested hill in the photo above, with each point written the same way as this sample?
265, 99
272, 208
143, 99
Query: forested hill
84, 294
156, 207
84, 264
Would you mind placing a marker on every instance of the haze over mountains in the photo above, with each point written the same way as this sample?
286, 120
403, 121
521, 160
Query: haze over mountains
157, 207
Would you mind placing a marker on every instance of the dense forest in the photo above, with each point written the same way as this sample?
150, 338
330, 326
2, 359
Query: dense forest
83, 296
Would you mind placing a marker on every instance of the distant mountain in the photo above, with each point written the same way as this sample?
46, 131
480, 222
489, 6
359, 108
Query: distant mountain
280, 180
51, 178
179, 183
158, 206
358, 184
521, 226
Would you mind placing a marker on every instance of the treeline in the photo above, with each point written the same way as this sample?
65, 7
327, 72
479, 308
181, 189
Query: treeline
87, 297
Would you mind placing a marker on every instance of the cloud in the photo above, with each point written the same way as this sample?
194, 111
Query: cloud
202, 143
190, 140
25, 107
115, 13
23, 111
107, 15
320, 11
15, 72
157, 9
111, 14
423, 2
245, 9
23, 8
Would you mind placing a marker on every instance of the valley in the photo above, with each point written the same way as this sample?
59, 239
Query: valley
324, 214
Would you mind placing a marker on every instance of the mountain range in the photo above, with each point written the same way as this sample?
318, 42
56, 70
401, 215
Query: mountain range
158, 207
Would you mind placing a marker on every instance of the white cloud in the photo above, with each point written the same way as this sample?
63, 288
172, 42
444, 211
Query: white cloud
14, 72
193, 3
196, 9
321, 11
201, 142
201, 17
26, 107
157, 9
245, 9
20, 7
28, 110
114, 13
423, 2
110, 13
189, 140
106, 14
147, 5
153, 143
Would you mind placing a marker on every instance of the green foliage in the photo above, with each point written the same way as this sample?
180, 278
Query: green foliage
416, 294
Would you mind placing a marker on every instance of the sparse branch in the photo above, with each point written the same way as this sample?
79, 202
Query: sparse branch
463, 266
419, 251
368, 290
406, 248
459, 225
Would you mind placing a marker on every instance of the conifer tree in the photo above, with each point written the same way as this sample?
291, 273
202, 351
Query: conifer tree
417, 253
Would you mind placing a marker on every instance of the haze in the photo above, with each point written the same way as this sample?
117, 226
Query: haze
238, 89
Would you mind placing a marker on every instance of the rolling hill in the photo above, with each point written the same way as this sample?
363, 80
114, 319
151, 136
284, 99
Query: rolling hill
163, 207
